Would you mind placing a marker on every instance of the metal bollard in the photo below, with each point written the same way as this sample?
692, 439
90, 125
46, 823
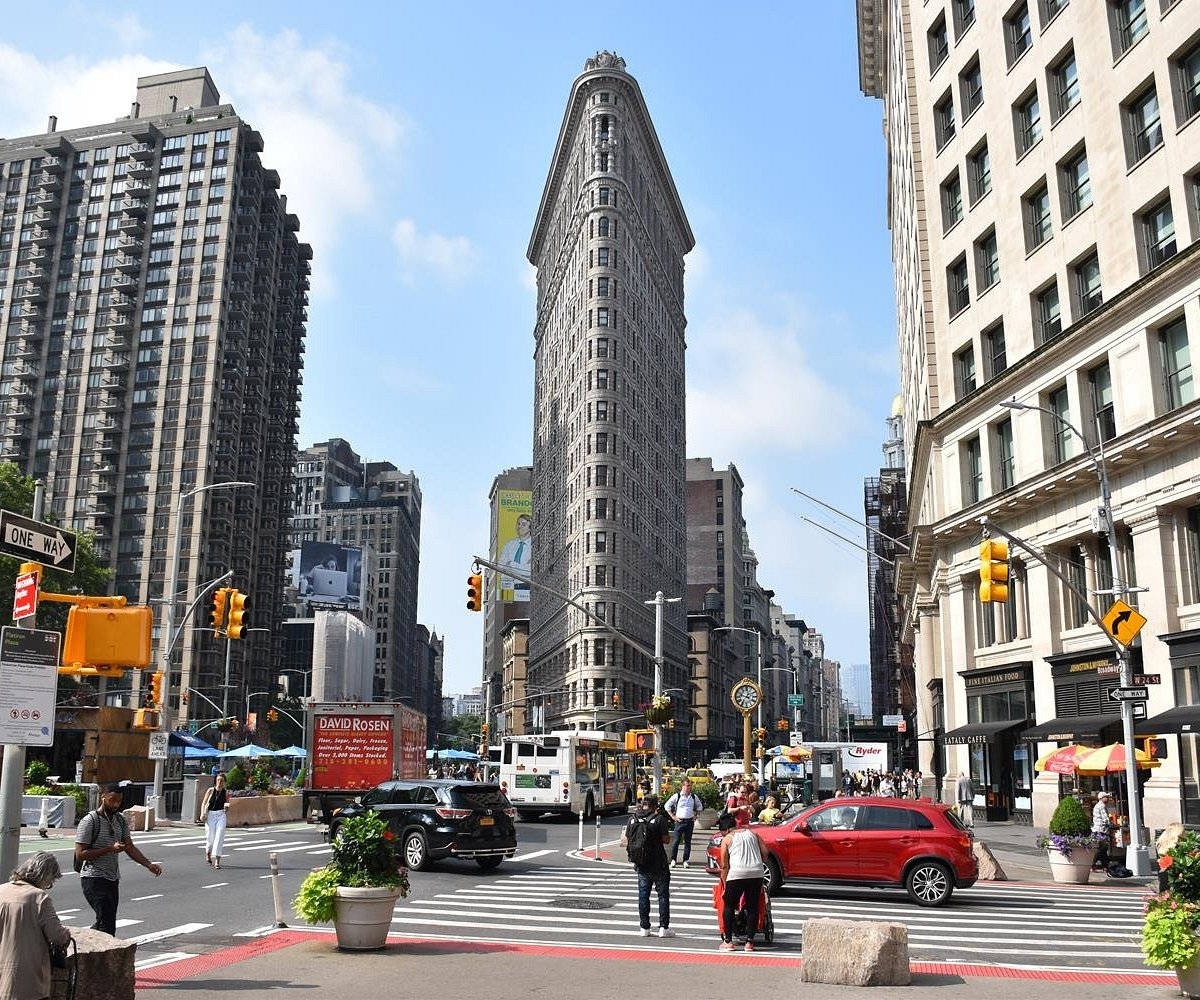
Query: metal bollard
598, 858
44, 818
580, 831
277, 890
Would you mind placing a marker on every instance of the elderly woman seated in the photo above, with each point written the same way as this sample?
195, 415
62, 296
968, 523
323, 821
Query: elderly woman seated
29, 928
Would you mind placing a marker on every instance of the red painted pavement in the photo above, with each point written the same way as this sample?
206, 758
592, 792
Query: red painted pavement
188, 968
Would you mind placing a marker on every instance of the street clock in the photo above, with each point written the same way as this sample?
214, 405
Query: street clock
746, 695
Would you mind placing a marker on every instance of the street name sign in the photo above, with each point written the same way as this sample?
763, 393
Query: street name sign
1122, 622
37, 541
25, 596
28, 685
1129, 694
893, 720
1147, 678
795, 701
158, 745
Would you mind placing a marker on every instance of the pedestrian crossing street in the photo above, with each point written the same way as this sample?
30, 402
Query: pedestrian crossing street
994, 923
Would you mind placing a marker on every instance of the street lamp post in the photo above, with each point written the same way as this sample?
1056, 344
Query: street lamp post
660, 605
1105, 527
168, 640
758, 659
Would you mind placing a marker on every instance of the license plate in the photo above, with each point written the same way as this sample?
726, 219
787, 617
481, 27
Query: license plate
486, 821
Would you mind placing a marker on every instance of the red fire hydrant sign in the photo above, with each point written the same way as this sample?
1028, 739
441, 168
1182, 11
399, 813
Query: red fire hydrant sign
25, 596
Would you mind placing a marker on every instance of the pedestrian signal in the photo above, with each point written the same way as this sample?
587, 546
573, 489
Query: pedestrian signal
474, 592
220, 602
237, 614
993, 571
639, 741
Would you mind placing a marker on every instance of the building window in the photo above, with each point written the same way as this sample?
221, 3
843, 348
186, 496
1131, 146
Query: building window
1027, 114
987, 261
939, 44
1006, 465
997, 358
1076, 574
943, 120
970, 83
1060, 433
957, 287
1177, 364
1193, 556
979, 173
1187, 83
1129, 24
1051, 9
1064, 86
1018, 33
952, 207
964, 16
1100, 381
1088, 295
964, 371
1038, 224
972, 471
1047, 315
1143, 125
1158, 234
1076, 183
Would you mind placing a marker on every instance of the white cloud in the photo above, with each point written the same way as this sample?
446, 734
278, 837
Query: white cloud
450, 258
752, 390
529, 278
128, 29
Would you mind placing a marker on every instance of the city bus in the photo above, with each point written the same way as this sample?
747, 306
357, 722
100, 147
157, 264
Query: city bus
566, 771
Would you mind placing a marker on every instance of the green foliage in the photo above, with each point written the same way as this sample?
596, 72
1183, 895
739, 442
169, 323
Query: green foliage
1169, 938
1069, 819
364, 855
1183, 868
79, 794
300, 776
260, 778
468, 727
37, 772
315, 901
40, 790
708, 792
236, 779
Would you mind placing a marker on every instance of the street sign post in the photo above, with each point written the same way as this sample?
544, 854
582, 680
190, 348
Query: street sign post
36, 541
795, 738
1147, 678
1122, 622
795, 701
28, 685
1129, 694
158, 744
25, 596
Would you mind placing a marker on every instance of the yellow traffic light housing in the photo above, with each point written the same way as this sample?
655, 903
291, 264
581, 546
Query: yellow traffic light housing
616, 699
156, 686
783, 725
639, 740
220, 602
993, 571
483, 732
272, 715
474, 592
237, 614
107, 637
145, 719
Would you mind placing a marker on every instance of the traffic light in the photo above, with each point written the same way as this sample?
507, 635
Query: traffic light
272, 715
616, 699
760, 734
237, 614
474, 592
220, 601
993, 571
483, 732
783, 725
156, 686
639, 740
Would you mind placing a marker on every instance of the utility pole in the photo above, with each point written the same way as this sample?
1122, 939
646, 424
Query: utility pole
660, 604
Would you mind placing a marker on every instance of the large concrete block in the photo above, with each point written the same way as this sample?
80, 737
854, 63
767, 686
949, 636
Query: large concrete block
105, 968
989, 867
855, 953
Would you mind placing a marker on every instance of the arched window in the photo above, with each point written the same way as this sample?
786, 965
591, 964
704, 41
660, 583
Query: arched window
603, 227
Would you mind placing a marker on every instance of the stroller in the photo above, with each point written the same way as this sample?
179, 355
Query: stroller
766, 925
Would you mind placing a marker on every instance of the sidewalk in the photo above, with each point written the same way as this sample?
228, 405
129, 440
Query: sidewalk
290, 965
1015, 847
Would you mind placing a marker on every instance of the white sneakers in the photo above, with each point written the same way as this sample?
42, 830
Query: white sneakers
645, 932
665, 932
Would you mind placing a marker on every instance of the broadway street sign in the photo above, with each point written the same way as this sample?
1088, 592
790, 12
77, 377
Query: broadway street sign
37, 541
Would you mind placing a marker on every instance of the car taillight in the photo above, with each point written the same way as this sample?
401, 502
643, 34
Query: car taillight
453, 813
510, 813
965, 841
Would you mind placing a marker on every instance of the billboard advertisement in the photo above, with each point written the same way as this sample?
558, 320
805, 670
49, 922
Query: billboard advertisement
328, 573
514, 542
351, 750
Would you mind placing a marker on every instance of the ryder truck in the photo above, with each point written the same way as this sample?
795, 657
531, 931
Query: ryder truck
353, 746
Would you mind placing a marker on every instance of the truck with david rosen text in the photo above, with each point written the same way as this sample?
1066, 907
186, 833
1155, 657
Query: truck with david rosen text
353, 746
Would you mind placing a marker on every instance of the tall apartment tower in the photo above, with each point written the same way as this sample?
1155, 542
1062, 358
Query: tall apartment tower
1043, 180
152, 296
608, 449
317, 472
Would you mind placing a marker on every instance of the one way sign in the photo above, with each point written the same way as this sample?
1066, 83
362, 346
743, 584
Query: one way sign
37, 541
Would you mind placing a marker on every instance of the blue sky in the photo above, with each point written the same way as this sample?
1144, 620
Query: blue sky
444, 120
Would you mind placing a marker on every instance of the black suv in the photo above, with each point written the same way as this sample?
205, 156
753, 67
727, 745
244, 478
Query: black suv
441, 819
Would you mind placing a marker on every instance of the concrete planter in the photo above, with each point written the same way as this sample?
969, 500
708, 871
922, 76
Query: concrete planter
363, 917
1075, 870
60, 810
1189, 980
706, 819
255, 810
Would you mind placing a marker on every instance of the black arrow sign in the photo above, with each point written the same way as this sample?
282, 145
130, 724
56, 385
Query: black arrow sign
1121, 618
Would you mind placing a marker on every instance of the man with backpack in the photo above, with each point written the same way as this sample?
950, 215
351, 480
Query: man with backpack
682, 807
102, 836
645, 838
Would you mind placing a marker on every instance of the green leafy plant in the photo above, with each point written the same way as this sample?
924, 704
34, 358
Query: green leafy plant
260, 778
707, 791
236, 779
1069, 819
36, 774
1182, 866
39, 790
300, 776
1169, 935
78, 794
364, 855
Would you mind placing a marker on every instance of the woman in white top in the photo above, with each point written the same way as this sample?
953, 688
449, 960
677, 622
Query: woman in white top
742, 878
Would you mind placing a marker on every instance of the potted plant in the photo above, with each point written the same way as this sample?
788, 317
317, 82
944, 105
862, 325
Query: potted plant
710, 799
658, 710
359, 887
1171, 932
1070, 846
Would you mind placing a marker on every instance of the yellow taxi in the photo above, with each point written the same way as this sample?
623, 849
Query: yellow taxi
700, 776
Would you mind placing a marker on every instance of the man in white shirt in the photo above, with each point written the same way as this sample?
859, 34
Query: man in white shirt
1101, 823
682, 807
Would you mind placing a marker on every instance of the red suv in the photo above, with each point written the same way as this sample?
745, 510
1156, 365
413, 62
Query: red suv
916, 844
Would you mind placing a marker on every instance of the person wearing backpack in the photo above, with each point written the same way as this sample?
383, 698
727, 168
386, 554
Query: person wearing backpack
645, 839
102, 836
683, 807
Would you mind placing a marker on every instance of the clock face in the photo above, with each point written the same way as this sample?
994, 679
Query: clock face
746, 695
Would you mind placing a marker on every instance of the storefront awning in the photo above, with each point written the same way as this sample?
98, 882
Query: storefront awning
980, 732
1182, 719
1072, 727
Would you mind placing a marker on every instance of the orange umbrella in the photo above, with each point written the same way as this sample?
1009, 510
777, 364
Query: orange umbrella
797, 753
1063, 760
1111, 760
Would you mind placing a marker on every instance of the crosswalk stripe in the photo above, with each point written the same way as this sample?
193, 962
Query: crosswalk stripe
124, 922
163, 958
302, 847
169, 932
533, 854
274, 846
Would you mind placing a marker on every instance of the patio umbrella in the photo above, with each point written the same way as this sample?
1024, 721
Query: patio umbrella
292, 751
192, 753
249, 750
1111, 760
1063, 760
797, 753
